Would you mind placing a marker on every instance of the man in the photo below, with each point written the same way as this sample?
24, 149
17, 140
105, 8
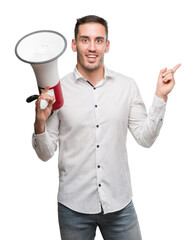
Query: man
91, 128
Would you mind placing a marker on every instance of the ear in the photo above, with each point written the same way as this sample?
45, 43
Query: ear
73, 45
107, 46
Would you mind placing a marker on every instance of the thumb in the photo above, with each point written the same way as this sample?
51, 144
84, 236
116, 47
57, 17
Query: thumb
161, 72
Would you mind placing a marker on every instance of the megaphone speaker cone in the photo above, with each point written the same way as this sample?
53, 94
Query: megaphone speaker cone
40, 47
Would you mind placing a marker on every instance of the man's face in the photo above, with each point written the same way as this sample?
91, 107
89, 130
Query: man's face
90, 46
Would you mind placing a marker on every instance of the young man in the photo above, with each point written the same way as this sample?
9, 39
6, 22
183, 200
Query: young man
91, 128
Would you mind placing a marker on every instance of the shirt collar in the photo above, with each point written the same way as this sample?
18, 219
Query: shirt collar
78, 76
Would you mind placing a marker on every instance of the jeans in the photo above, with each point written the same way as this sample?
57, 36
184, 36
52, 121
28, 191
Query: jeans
120, 225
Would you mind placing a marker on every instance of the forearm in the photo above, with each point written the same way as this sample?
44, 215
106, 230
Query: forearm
146, 128
46, 136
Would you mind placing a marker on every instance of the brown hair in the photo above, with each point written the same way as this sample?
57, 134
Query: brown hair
90, 19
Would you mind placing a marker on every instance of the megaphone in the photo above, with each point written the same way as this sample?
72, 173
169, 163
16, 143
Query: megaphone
41, 49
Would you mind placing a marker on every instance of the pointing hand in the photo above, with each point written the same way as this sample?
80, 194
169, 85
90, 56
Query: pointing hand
166, 82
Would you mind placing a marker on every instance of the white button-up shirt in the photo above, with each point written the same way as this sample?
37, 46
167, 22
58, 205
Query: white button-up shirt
91, 130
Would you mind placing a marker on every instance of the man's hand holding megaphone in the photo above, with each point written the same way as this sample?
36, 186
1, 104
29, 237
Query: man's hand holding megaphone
43, 114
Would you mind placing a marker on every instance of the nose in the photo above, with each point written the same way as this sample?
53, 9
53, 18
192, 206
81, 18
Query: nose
92, 46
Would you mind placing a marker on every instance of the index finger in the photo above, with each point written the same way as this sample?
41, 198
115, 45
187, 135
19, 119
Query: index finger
46, 89
176, 67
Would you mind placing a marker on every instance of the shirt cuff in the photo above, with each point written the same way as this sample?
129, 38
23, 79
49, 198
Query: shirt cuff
159, 101
158, 108
39, 135
39, 138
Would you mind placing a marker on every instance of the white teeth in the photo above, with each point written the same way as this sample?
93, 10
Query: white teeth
91, 56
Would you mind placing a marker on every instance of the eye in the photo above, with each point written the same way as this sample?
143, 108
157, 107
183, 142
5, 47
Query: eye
85, 40
99, 41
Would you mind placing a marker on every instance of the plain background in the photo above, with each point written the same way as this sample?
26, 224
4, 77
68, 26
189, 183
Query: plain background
145, 36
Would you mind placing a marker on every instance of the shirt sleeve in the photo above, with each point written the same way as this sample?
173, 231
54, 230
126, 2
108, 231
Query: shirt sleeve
45, 144
145, 127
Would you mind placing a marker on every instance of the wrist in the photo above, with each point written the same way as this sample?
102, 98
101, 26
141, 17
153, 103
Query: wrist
159, 95
39, 127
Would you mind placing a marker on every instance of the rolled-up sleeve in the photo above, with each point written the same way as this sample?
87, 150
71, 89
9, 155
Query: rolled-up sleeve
45, 144
145, 127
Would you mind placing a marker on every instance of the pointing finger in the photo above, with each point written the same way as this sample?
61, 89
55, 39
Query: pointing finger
176, 67
46, 89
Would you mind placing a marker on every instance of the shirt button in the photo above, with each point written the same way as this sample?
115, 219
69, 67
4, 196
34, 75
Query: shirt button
98, 166
97, 146
97, 126
99, 185
94, 88
95, 105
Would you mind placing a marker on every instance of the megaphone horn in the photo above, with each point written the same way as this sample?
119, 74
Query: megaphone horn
42, 49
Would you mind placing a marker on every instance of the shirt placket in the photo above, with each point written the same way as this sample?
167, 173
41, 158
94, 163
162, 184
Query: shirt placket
98, 145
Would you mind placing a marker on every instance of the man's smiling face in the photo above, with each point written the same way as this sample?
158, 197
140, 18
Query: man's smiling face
90, 45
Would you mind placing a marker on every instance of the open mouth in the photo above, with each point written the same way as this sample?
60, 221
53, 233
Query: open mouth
91, 57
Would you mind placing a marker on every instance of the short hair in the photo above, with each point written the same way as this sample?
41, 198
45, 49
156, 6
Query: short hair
90, 19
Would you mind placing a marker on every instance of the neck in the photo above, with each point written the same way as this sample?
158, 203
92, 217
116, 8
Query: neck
93, 76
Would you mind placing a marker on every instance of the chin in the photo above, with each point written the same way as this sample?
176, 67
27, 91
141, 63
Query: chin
91, 67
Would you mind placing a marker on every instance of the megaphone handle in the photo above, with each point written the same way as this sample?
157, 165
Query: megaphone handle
32, 98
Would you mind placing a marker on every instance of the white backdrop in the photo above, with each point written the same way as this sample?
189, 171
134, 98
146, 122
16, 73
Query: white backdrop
145, 36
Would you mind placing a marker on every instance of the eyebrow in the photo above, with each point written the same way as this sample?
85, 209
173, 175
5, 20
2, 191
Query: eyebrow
99, 37
84, 37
